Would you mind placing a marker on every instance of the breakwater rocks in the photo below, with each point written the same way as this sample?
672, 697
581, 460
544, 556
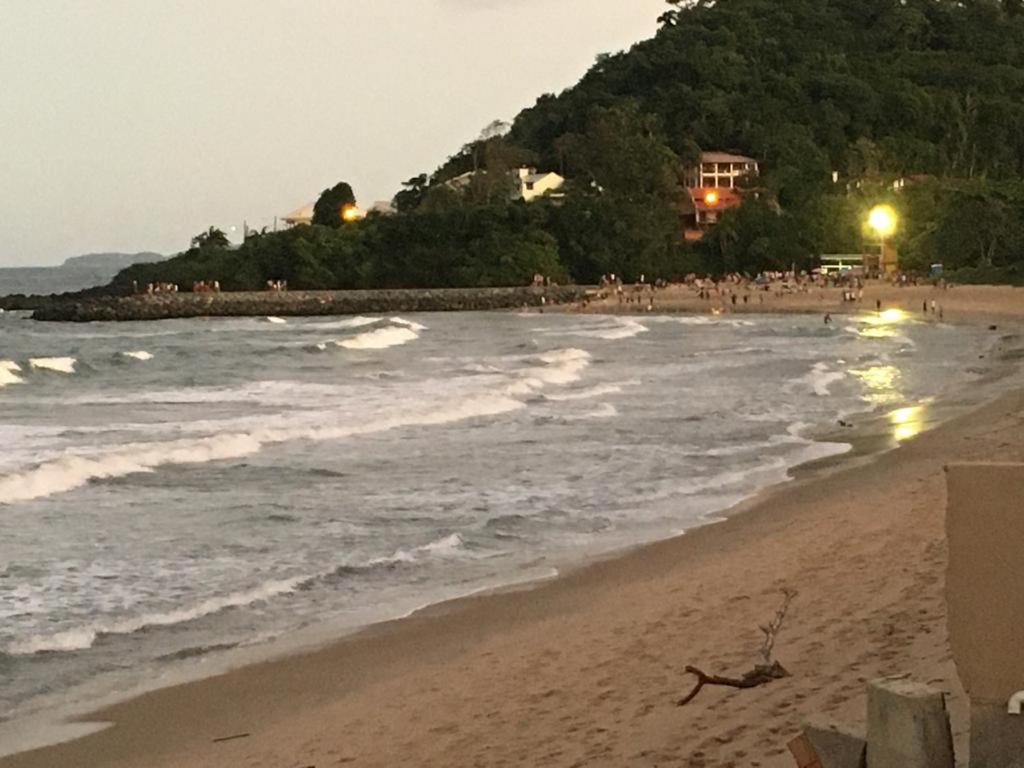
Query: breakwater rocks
300, 303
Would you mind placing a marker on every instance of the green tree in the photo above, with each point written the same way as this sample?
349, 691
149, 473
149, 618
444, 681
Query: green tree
211, 238
412, 193
330, 206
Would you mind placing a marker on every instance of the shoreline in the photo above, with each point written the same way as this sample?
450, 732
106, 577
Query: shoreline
439, 634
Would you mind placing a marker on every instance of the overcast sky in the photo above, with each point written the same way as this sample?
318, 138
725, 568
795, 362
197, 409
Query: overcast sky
129, 125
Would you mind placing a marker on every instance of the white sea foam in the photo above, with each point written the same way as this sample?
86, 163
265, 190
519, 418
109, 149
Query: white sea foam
620, 329
276, 320
139, 355
381, 338
821, 378
408, 324
58, 364
81, 638
561, 367
9, 373
359, 321
592, 392
445, 546
684, 319
448, 546
73, 471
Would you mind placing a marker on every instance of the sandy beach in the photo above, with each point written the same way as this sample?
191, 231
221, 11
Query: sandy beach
585, 670
963, 303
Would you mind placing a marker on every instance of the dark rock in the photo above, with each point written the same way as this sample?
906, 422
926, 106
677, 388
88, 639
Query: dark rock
298, 303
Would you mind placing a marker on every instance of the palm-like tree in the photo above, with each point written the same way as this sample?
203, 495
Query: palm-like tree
211, 238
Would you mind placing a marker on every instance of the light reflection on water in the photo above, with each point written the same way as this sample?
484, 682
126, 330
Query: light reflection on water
882, 383
907, 422
880, 326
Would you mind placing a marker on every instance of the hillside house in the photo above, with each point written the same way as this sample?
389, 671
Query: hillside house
301, 215
528, 184
714, 185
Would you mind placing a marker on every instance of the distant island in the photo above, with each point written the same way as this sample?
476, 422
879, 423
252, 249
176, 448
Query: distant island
746, 136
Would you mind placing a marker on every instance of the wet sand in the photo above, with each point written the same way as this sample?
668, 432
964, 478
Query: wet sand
586, 669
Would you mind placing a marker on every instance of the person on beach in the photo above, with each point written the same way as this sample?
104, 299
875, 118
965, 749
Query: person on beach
828, 318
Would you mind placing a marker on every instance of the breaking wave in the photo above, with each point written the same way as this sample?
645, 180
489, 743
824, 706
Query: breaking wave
81, 638
58, 364
620, 329
591, 393
408, 324
359, 321
276, 320
560, 367
9, 373
139, 355
821, 378
447, 546
381, 338
70, 472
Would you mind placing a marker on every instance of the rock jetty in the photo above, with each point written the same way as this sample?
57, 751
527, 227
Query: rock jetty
300, 303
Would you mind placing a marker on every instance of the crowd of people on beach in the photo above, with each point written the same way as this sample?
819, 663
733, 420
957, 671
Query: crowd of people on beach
206, 286
277, 285
736, 290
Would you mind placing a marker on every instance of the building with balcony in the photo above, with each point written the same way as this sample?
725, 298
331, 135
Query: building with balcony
714, 185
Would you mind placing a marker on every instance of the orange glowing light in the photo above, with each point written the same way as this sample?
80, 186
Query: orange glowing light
711, 198
350, 213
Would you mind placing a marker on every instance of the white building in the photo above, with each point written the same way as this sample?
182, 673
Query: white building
529, 184
720, 170
302, 215
526, 183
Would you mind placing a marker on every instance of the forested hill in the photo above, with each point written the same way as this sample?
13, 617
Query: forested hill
856, 86
846, 104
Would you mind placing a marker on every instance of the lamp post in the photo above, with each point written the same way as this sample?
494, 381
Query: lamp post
882, 219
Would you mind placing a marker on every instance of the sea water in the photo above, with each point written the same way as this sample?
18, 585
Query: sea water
172, 491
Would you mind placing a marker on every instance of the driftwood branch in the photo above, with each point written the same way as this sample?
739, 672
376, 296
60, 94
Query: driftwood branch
772, 628
231, 738
760, 675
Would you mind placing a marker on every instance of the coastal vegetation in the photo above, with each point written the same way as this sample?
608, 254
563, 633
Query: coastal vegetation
846, 104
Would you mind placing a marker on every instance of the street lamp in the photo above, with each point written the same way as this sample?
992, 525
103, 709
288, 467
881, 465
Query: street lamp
883, 220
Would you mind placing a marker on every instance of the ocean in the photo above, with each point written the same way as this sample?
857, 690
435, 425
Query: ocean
174, 494
43, 281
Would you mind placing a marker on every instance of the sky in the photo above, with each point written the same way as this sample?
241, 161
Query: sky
132, 126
